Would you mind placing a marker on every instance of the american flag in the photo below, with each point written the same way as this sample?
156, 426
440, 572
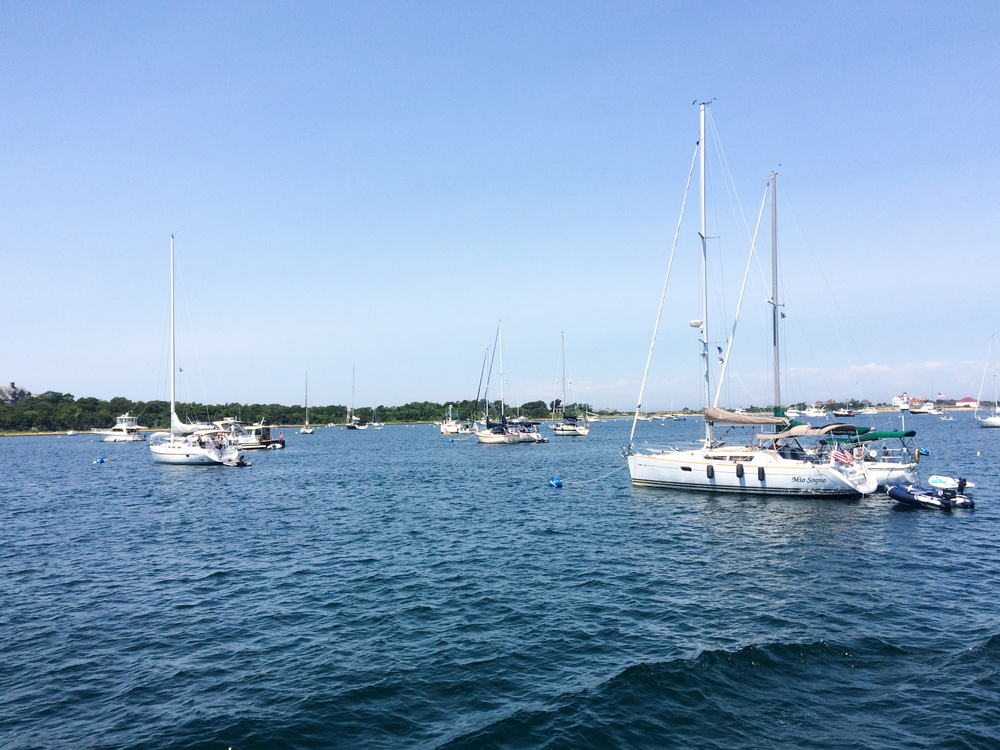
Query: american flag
843, 456
942, 396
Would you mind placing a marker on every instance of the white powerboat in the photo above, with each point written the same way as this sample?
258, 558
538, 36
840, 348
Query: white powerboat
126, 430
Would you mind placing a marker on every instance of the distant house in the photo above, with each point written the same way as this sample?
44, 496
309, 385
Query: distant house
968, 403
12, 394
901, 401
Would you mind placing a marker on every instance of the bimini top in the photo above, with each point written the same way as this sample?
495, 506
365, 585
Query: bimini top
866, 436
716, 415
804, 430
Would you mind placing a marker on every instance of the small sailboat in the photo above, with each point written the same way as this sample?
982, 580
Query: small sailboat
992, 420
353, 422
306, 429
506, 431
190, 444
375, 424
570, 426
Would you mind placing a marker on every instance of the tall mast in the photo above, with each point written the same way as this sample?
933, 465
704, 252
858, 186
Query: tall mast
703, 323
173, 367
564, 372
775, 313
500, 337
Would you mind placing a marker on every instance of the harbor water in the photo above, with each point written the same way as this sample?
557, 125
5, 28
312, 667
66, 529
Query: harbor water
400, 588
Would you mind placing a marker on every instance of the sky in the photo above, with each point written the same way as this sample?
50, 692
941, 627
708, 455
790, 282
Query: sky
370, 187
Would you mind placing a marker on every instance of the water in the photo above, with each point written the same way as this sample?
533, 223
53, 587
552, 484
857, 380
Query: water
394, 588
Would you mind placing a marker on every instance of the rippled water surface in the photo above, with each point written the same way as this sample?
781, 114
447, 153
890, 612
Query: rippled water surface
396, 588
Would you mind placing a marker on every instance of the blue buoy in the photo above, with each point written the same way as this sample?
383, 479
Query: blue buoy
924, 452
555, 482
99, 461
451, 440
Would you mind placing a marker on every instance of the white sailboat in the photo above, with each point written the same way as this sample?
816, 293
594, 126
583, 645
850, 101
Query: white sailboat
306, 429
994, 419
506, 431
570, 426
353, 422
774, 463
189, 444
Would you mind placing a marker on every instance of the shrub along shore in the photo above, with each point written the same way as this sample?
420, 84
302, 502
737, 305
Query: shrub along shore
53, 412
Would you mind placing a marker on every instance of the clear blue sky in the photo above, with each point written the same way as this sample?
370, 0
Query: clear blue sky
378, 183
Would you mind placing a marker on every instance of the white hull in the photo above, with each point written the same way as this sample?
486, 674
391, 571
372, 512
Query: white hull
884, 473
569, 431
764, 472
118, 437
187, 452
306, 430
989, 421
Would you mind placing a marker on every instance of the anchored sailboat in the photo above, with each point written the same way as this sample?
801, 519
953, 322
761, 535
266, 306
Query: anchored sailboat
506, 431
306, 429
190, 444
570, 426
774, 463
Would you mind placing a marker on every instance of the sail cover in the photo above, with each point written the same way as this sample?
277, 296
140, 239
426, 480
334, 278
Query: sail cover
721, 416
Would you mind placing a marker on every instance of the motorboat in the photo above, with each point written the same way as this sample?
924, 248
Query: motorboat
888, 455
814, 412
939, 482
126, 430
921, 497
252, 437
452, 426
869, 411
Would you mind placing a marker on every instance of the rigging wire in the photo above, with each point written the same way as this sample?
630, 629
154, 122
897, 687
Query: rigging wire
663, 295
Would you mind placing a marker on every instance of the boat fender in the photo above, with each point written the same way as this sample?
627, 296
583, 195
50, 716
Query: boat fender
739, 471
555, 482
760, 473
710, 471
916, 456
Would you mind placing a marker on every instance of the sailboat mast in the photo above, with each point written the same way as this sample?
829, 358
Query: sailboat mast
703, 323
500, 338
307, 398
775, 314
173, 364
564, 372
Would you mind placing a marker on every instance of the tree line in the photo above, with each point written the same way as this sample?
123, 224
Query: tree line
57, 412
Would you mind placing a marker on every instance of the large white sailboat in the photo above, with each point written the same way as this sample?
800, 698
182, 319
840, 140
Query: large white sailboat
189, 444
306, 429
790, 460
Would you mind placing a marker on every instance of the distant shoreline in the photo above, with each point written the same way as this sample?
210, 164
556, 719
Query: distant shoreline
654, 415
